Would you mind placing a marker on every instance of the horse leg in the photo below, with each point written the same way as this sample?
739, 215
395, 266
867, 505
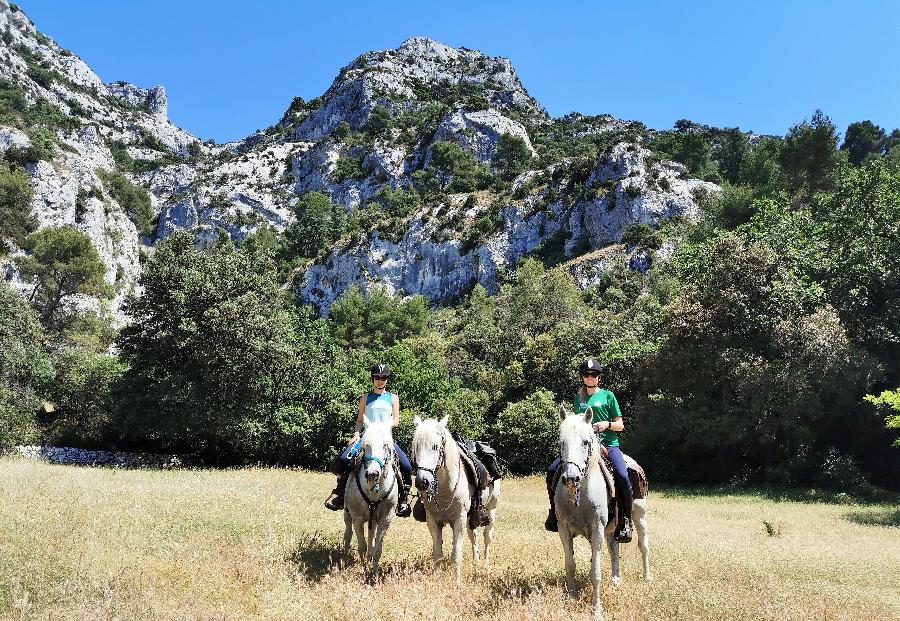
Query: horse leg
597, 538
473, 539
380, 529
458, 526
489, 536
371, 527
436, 542
569, 553
614, 558
348, 532
640, 521
359, 528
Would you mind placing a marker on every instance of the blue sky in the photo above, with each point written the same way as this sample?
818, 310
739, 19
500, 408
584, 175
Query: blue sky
232, 67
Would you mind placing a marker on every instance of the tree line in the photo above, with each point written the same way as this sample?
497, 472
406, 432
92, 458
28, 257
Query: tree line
746, 357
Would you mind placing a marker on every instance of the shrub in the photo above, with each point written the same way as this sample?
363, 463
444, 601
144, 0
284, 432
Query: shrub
24, 368
526, 432
132, 198
348, 167
83, 392
16, 219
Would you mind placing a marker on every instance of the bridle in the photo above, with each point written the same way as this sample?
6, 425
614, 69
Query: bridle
373, 504
431, 494
582, 470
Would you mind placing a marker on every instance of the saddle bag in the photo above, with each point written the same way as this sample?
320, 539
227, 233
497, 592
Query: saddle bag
488, 456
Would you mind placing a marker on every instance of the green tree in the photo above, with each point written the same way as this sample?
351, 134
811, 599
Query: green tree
379, 120
464, 172
809, 156
318, 224
221, 366
731, 154
888, 402
860, 233
84, 393
25, 368
511, 157
861, 139
526, 432
376, 320
16, 219
61, 262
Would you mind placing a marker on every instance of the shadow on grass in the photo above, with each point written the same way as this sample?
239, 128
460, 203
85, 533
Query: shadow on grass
315, 555
513, 587
875, 518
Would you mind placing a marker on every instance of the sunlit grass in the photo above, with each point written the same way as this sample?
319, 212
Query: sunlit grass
86, 543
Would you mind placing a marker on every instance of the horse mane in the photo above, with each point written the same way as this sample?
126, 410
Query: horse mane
428, 433
377, 431
570, 424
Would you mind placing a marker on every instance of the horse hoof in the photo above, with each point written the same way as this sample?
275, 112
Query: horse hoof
648, 578
616, 581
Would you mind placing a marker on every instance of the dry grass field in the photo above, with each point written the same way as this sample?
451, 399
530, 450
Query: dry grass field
97, 543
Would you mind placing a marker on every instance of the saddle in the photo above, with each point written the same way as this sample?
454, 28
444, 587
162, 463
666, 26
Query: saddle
636, 476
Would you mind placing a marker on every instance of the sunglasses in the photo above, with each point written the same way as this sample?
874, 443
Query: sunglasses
590, 374
379, 378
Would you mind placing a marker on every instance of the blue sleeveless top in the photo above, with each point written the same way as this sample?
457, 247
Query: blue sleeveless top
380, 408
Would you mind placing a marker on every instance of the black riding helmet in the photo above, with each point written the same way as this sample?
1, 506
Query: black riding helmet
590, 364
380, 369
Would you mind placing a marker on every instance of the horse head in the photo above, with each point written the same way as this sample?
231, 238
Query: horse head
577, 447
377, 450
429, 444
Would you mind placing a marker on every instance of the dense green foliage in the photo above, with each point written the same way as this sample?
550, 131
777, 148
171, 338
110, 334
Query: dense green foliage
219, 365
25, 368
318, 224
132, 198
61, 262
16, 220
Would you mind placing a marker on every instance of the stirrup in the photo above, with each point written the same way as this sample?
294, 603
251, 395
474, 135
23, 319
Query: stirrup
335, 502
403, 508
623, 532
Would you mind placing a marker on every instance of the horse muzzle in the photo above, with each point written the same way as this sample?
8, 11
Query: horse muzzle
423, 481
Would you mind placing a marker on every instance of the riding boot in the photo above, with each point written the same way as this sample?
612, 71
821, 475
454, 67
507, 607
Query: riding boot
550, 523
403, 508
335, 502
624, 527
477, 515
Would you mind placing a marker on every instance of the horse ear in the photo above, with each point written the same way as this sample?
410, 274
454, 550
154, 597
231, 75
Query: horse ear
562, 412
443, 421
589, 415
416, 420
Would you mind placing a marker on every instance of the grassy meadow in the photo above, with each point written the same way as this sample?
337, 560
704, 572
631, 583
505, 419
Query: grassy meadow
101, 543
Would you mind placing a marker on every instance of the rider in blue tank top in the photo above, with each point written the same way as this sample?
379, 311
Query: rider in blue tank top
379, 406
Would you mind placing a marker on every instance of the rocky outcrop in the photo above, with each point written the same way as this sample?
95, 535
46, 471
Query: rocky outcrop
152, 100
374, 127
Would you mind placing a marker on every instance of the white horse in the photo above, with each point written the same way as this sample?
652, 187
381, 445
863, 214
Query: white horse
446, 491
581, 503
371, 495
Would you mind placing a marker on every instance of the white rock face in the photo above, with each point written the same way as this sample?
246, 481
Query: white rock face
240, 186
479, 132
153, 99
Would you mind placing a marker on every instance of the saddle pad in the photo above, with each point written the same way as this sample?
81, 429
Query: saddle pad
638, 478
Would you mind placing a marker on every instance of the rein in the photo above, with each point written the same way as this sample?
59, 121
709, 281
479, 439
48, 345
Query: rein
373, 504
582, 470
442, 463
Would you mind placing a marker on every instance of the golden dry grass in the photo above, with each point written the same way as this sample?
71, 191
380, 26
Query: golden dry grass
87, 543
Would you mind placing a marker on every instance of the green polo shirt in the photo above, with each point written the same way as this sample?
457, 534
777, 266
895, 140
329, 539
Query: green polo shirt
605, 407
